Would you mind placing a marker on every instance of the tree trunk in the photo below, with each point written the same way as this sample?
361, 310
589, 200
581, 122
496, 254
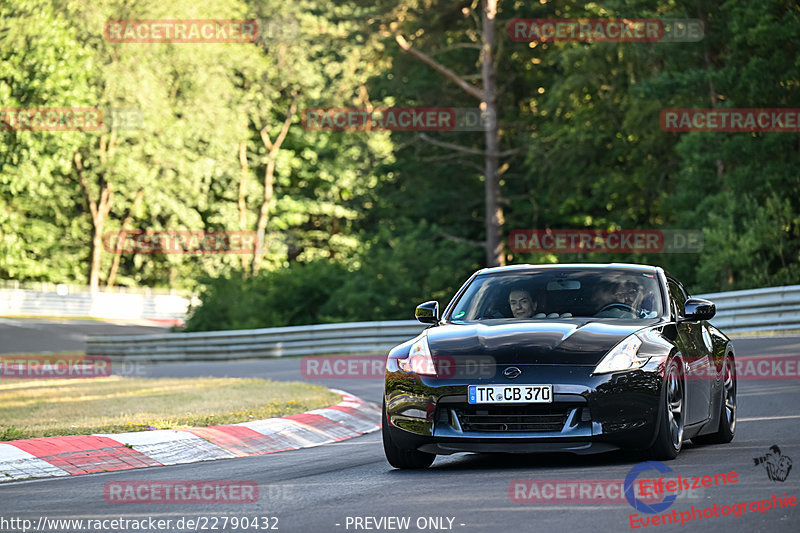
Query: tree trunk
112, 273
269, 178
494, 211
99, 210
263, 212
703, 16
488, 96
713, 98
242, 202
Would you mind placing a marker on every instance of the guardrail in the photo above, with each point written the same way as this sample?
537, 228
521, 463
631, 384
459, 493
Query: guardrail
69, 301
773, 308
347, 338
67, 288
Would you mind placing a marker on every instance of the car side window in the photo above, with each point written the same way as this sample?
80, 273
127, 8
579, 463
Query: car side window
678, 296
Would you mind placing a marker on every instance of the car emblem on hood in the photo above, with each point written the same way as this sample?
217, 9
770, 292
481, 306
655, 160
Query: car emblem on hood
512, 372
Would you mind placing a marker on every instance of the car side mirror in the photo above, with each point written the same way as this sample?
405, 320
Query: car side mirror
699, 309
428, 313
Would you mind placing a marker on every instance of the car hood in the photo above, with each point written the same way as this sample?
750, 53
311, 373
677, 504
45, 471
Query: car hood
533, 342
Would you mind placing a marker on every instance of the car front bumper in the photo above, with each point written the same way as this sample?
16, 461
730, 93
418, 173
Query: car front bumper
589, 414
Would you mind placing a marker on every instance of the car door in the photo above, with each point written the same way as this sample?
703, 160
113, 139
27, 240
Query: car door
696, 357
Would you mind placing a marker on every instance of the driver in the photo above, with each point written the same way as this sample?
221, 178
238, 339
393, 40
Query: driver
631, 294
521, 303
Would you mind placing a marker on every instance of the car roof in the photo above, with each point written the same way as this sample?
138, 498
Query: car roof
616, 266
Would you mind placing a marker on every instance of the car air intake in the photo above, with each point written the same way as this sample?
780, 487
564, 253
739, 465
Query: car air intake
503, 418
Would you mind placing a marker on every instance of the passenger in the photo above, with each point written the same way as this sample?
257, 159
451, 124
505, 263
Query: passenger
521, 303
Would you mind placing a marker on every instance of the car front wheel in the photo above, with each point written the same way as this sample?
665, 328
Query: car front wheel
400, 457
670, 430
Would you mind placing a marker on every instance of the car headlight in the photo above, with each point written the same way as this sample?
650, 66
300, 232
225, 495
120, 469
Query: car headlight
624, 356
419, 359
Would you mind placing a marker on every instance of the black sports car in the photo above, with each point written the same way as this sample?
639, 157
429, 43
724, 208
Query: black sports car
560, 358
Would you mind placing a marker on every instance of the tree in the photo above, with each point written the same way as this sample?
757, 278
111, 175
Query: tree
44, 64
488, 97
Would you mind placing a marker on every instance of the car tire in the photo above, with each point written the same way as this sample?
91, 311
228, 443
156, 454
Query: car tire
727, 416
669, 438
399, 457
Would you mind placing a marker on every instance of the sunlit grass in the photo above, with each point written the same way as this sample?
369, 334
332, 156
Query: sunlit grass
51, 407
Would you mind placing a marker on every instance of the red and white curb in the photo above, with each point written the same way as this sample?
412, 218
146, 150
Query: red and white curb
86, 454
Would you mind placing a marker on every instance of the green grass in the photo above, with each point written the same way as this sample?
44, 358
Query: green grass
52, 407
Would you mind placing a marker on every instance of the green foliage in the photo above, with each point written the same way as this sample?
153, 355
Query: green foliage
363, 226
384, 282
285, 297
42, 64
403, 265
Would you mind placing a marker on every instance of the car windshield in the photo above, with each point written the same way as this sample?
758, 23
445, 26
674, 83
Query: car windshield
557, 294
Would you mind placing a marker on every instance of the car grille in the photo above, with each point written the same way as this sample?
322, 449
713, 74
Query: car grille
528, 418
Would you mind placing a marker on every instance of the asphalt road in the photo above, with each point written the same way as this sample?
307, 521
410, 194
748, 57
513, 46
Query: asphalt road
329, 488
33, 335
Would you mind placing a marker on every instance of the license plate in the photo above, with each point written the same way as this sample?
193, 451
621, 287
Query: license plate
510, 394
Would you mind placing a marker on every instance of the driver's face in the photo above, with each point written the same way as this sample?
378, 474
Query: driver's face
627, 294
521, 304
